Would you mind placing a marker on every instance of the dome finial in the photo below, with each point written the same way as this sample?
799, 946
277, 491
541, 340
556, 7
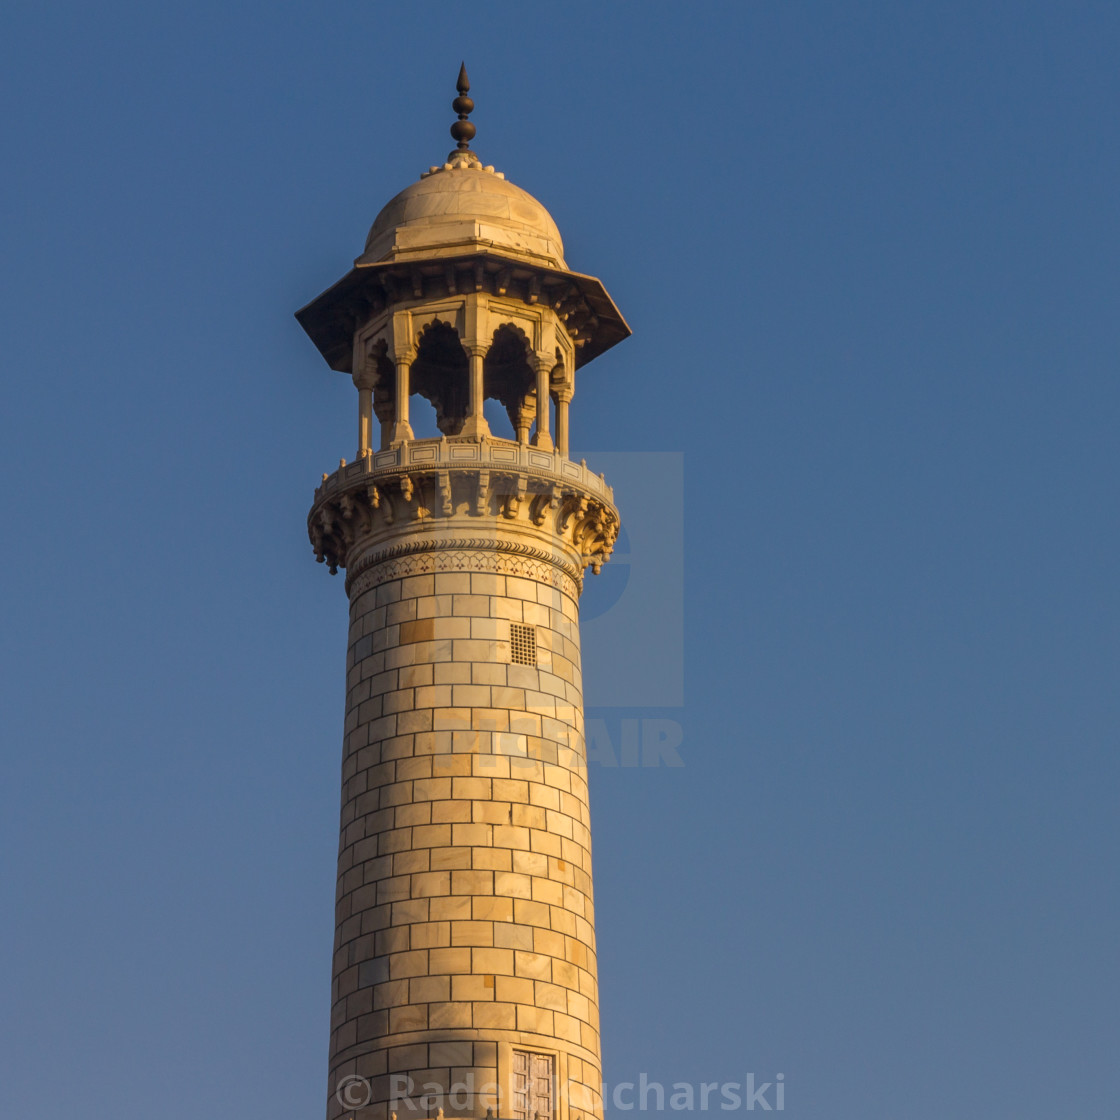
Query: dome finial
462, 130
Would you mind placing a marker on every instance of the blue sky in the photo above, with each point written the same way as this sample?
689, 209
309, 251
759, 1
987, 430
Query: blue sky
869, 254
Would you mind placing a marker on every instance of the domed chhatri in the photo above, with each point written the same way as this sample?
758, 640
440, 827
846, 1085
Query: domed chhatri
463, 205
463, 227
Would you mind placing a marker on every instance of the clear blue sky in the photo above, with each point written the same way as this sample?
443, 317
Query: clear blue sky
869, 252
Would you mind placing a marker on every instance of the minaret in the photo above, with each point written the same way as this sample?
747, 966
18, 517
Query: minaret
464, 974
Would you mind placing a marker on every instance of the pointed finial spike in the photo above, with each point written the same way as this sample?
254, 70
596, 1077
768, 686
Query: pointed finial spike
462, 130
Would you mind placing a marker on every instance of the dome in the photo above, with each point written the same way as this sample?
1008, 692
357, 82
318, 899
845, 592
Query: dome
463, 207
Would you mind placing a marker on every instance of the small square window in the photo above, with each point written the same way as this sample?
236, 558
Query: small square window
523, 644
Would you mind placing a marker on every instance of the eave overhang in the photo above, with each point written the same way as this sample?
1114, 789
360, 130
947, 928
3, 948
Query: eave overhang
587, 311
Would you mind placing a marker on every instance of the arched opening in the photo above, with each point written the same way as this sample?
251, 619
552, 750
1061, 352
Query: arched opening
508, 378
497, 418
384, 389
440, 376
422, 417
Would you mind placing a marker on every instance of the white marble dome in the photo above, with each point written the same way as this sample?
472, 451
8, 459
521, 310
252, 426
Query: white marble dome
463, 207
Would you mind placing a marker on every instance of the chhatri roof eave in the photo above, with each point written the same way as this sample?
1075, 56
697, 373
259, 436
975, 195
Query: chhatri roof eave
329, 319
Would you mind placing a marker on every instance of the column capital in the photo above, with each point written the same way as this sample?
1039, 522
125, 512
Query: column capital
476, 347
365, 377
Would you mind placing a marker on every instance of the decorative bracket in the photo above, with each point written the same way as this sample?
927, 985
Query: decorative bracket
543, 503
575, 507
514, 500
445, 505
482, 495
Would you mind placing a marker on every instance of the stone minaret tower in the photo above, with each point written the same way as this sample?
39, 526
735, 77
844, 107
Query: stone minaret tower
464, 963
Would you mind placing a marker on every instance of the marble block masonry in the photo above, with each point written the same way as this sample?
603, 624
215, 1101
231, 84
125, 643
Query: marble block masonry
464, 975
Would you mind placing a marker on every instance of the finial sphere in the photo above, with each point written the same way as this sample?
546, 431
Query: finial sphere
463, 131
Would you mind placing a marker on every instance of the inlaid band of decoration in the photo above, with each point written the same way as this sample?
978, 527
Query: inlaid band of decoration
494, 557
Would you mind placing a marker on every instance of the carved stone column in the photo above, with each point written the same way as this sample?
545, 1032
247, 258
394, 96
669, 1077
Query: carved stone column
475, 424
365, 381
383, 408
543, 364
402, 430
525, 418
563, 399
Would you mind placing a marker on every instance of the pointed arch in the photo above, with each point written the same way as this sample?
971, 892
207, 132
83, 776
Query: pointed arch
508, 376
440, 374
384, 387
